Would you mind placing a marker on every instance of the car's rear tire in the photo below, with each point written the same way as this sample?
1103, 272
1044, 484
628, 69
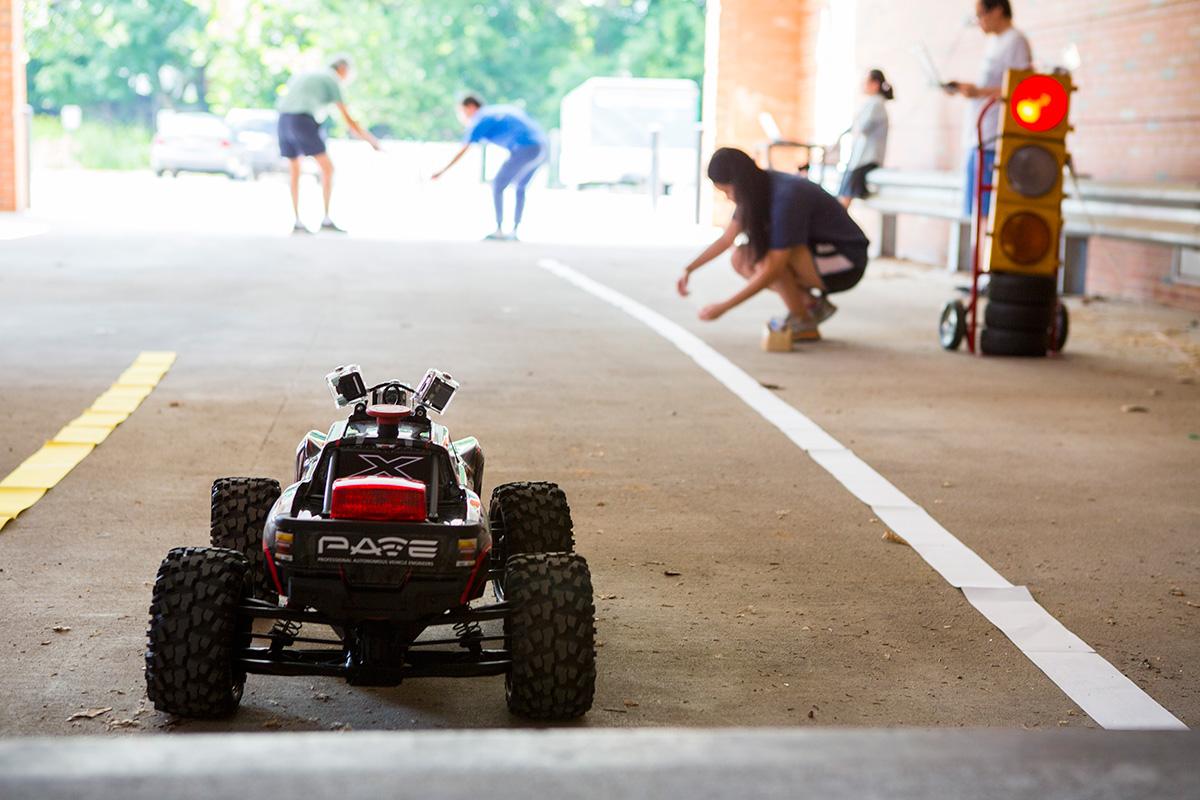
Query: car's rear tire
239, 512
195, 633
531, 517
551, 634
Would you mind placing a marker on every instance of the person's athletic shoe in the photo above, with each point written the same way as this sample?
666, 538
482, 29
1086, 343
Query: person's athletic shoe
330, 226
823, 310
496, 236
299, 229
803, 328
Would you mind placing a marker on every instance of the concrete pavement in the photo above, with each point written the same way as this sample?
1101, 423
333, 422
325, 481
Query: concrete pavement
789, 609
701, 764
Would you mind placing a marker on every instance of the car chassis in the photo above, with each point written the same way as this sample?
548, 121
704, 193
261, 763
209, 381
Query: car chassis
381, 536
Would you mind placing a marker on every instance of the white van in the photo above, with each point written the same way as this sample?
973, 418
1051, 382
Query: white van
606, 125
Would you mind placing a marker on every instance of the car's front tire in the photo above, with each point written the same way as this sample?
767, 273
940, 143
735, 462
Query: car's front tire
195, 633
551, 634
532, 517
239, 512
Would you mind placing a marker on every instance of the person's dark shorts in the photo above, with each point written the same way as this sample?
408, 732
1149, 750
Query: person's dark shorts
854, 182
300, 135
852, 257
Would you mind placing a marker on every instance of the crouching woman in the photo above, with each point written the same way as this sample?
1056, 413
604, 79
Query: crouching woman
799, 242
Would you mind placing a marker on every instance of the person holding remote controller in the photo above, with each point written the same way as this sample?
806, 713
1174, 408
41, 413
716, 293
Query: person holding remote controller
1007, 48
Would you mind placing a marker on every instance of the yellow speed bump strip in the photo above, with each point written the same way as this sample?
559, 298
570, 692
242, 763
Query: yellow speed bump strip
42, 471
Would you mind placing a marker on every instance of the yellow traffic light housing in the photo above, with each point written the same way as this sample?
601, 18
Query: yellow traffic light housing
1026, 213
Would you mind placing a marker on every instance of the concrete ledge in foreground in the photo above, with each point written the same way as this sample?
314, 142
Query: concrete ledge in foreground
575, 763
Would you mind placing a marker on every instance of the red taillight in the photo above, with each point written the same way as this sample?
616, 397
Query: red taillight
378, 498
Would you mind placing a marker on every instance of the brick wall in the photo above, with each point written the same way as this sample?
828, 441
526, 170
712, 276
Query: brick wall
758, 60
1136, 114
12, 108
761, 66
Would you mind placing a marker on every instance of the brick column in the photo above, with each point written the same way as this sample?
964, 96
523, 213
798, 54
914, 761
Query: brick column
13, 142
760, 58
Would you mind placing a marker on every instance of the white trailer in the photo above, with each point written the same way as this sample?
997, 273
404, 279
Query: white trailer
606, 126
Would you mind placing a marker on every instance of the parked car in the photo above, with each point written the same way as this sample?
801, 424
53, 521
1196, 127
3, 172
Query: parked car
256, 131
193, 141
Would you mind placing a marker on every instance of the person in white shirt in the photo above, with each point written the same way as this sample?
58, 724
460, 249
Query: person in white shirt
868, 137
1007, 48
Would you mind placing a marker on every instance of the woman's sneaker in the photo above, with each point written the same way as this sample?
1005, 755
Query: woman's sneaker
803, 328
823, 309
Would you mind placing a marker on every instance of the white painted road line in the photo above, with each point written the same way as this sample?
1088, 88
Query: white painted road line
1095, 685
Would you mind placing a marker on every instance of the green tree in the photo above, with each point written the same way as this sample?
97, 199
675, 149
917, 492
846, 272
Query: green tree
124, 58
412, 57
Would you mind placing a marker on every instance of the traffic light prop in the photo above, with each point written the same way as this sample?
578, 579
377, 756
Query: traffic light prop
1026, 214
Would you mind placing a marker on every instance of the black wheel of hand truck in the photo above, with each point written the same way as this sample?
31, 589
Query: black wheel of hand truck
953, 325
551, 634
196, 631
1060, 327
239, 512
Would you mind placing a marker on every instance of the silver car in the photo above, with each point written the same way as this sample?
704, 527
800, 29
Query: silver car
256, 130
196, 142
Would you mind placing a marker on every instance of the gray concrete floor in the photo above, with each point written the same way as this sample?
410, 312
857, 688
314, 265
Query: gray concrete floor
789, 610
647, 764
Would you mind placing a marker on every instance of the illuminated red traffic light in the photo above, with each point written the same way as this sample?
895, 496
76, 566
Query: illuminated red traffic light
1039, 103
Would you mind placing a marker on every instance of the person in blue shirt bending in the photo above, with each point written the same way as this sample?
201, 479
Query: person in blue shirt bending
511, 128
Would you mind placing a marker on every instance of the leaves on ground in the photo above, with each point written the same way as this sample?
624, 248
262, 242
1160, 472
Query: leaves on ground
91, 713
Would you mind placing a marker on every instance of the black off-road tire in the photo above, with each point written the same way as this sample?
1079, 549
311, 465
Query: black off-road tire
551, 633
195, 632
1022, 290
531, 517
999, 342
1012, 317
239, 511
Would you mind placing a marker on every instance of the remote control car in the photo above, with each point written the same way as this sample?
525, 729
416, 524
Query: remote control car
381, 538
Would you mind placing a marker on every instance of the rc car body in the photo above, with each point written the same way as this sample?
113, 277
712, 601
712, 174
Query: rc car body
381, 536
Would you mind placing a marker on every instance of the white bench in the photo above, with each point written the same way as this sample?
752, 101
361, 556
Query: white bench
1163, 214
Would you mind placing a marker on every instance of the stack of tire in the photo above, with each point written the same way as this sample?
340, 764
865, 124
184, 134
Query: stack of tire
1023, 316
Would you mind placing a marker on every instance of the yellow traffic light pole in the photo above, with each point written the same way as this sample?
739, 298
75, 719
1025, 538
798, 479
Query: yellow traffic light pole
1024, 316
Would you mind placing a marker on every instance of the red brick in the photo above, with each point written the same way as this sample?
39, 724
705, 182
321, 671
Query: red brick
12, 99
